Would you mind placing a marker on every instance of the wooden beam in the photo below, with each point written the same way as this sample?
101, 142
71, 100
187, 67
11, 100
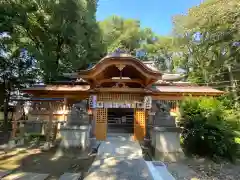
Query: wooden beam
122, 90
64, 108
139, 81
167, 97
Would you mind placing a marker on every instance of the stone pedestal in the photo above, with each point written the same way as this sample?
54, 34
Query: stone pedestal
75, 134
75, 137
166, 143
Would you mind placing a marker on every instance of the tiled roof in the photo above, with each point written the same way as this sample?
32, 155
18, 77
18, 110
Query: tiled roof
59, 88
151, 65
187, 89
164, 88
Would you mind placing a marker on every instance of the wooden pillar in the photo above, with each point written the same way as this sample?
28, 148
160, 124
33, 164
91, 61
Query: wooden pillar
49, 123
93, 122
65, 109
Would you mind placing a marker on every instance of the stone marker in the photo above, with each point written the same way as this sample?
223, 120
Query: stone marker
26, 176
70, 176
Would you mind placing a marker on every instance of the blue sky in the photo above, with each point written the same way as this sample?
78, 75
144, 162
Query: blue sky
156, 14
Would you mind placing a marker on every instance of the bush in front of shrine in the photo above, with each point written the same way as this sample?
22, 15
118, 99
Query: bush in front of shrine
206, 131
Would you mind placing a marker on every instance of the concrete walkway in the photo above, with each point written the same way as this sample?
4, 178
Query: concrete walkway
119, 158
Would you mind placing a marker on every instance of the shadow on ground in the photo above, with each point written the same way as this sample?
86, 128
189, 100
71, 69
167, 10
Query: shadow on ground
34, 160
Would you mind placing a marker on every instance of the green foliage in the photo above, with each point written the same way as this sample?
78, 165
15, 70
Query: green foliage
40, 40
123, 33
232, 111
208, 41
206, 131
128, 35
63, 36
228, 101
232, 117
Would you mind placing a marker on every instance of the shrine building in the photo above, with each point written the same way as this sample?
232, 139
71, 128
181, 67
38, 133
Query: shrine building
120, 91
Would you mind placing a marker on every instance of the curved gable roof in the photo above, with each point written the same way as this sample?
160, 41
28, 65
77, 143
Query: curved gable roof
121, 59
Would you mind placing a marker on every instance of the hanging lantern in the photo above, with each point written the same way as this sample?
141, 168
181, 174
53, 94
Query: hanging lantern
90, 112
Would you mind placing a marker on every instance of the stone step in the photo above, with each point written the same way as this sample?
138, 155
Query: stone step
70, 176
25, 176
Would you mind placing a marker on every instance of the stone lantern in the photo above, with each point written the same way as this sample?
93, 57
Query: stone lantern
75, 134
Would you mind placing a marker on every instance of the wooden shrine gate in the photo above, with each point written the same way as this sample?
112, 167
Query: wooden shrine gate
102, 114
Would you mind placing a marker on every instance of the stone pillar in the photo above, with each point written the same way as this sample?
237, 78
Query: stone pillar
165, 136
166, 141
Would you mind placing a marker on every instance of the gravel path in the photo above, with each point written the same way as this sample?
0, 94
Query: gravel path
204, 169
216, 171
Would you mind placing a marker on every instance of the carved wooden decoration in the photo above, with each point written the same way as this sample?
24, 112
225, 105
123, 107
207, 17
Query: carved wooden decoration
120, 85
119, 97
120, 66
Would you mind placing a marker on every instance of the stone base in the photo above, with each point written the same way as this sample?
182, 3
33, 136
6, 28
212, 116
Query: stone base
166, 144
76, 137
15, 142
47, 146
168, 156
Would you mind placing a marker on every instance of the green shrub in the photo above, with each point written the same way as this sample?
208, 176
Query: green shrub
205, 129
232, 117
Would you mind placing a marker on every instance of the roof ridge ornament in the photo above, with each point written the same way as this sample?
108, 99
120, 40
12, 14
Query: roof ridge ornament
120, 66
119, 53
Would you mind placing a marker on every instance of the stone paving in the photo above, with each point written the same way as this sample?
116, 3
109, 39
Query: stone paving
25, 176
70, 176
18, 175
119, 158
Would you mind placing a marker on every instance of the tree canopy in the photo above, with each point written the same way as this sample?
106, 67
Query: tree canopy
208, 39
61, 35
40, 40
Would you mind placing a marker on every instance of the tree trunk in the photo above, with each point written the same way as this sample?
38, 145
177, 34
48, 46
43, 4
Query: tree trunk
233, 85
6, 106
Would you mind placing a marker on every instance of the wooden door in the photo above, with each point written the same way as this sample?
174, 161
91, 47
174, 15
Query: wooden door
139, 124
101, 124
